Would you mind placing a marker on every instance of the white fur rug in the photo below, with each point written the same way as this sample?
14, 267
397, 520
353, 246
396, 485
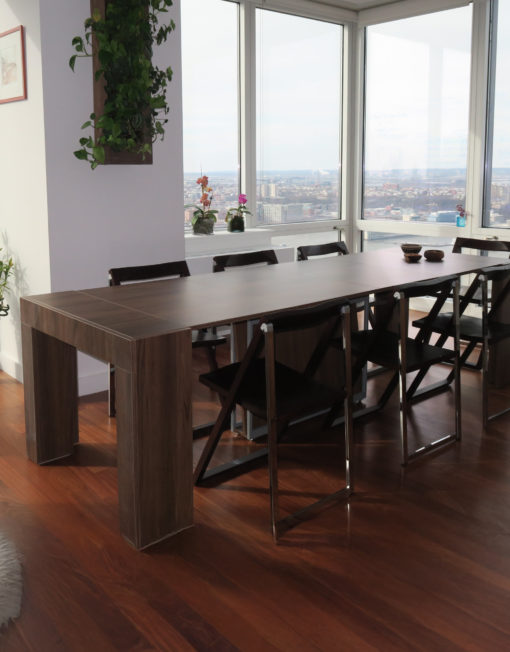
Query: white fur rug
10, 581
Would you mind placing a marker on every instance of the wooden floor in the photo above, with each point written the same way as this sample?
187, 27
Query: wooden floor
418, 560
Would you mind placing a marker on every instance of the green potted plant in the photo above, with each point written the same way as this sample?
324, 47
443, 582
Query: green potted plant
203, 217
235, 216
129, 90
6, 266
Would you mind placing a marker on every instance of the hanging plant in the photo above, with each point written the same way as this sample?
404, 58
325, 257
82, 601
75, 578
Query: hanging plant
133, 107
6, 265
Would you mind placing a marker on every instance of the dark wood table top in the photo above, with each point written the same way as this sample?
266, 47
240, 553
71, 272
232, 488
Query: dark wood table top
159, 307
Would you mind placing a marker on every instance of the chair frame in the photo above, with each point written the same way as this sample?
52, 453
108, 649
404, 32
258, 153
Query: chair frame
482, 246
305, 251
409, 394
245, 259
481, 281
264, 340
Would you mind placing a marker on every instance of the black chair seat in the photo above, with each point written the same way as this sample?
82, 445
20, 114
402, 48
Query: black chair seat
295, 394
382, 349
470, 328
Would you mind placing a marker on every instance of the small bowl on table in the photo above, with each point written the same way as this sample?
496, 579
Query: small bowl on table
434, 255
410, 248
412, 258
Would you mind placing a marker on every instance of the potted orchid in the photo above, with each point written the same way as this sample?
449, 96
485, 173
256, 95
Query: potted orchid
6, 265
461, 215
203, 217
235, 216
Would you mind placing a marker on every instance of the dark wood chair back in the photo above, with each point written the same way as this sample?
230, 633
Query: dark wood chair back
119, 275
306, 251
480, 244
500, 278
267, 256
440, 290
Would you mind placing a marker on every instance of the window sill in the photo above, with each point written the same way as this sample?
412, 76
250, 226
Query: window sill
224, 242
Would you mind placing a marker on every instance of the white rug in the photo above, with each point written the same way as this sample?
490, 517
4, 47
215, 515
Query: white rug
10, 581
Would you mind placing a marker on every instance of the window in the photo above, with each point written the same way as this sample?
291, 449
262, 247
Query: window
416, 120
374, 240
210, 102
497, 181
298, 108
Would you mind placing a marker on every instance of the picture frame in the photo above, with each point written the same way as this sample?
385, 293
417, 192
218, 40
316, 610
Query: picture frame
13, 78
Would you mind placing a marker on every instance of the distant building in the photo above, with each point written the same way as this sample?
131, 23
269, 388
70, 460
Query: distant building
268, 190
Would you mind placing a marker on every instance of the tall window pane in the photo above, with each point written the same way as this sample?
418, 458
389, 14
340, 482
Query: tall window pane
299, 63
416, 122
497, 196
210, 102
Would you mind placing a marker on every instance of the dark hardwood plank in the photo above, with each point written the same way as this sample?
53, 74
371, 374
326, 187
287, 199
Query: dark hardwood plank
419, 560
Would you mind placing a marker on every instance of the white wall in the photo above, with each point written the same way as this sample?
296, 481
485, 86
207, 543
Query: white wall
115, 215
23, 205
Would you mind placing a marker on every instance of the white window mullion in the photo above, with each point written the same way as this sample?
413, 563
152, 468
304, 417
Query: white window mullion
477, 118
247, 92
349, 143
358, 106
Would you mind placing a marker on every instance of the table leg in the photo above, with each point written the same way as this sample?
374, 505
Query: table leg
155, 439
51, 396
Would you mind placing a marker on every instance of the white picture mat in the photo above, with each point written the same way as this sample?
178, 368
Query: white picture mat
12, 73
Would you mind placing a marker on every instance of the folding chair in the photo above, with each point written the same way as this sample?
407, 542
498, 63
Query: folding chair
487, 330
281, 395
398, 351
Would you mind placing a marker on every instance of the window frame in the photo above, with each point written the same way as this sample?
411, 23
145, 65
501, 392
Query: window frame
353, 115
380, 15
247, 107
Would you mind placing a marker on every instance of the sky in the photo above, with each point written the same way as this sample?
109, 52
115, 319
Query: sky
418, 73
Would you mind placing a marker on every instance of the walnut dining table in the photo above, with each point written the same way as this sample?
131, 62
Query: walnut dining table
145, 331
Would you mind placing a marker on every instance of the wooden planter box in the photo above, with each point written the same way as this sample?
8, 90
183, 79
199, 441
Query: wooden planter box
111, 157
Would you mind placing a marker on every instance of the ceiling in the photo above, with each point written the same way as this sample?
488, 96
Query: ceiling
355, 5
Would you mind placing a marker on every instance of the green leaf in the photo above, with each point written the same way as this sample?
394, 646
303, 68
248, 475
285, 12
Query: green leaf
72, 61
81, 154
98, 153
86, 124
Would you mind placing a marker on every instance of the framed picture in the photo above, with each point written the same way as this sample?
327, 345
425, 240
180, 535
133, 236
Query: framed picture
13, 85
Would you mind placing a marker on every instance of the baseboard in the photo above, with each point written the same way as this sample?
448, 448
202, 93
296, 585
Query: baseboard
88, 383
11, 366
91, 383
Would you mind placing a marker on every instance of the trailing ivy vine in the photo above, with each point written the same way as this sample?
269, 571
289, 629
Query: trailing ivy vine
135, 108
6, 265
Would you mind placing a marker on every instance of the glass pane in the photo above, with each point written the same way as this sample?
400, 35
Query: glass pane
497, 199
417, 106
299, 63
372, 240
210, 102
